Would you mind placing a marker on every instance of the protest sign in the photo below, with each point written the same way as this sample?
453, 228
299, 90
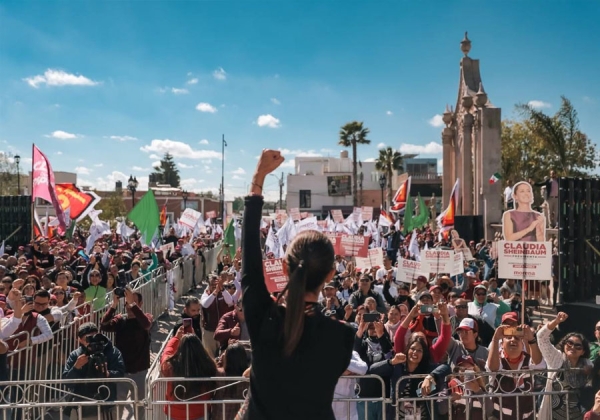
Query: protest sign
167, 249
357, 214
338, 216
307, 224
275, 279
374, 258
189, 218
437, 260
525, 260
353, 245
408, 271
211, 214
295, 214
458, 264
367, 213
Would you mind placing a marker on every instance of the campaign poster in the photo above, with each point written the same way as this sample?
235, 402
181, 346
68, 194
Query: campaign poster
275, 278
79, 202
354, 245
340, 185
525, 260
523, 224
374, 258
211, 214
338, 216
189, 218
408, 271
295, 214
458, 266
367, 213
307, 224
437, 260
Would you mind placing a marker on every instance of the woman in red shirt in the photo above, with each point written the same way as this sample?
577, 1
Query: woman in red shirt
185, 356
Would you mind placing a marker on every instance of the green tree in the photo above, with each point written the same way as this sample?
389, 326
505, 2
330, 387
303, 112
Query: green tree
352, 134
8, 174
571, 152
112, 206
524, 155
166, 172
238, 204
389, 161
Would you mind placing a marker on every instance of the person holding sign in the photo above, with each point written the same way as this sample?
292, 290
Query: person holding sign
287, 342
523, 223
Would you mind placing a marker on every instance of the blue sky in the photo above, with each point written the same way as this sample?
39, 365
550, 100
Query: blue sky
104, 88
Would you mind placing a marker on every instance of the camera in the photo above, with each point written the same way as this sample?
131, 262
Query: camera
28, 299
95, 345
428, 309
371, 317
121, 284
489, 299
515, 332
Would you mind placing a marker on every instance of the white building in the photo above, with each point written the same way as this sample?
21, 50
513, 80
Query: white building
320, 184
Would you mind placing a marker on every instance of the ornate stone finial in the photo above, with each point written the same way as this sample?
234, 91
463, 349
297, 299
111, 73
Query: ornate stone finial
447, 117
481, 98
467, 100
465, 45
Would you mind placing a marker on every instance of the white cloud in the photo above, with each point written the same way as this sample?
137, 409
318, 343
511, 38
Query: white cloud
431, 148
300, 153
59, 153
184, 166
436, 121
275, 101
138, 169
220, 74
539, 104
208, 169
156, 163
239, 178
178, 149
177, 91
82, 170
381, 145
239, 171
107, 183
588, 100
99, 165
389, 113
53, 77
327, 150
268, 121
123, 138
193, 81
206, 107
288, 163
61, 135
190, 183
203, 141
370, 160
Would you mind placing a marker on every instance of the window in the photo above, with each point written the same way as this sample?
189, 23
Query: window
305, 199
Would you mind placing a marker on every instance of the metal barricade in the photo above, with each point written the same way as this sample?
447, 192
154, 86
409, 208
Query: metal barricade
159, 389
349, 404
504, 395
28, 399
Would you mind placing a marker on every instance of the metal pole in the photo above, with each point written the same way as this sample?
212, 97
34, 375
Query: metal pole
18, 179
382, 206
223, 144
281, 192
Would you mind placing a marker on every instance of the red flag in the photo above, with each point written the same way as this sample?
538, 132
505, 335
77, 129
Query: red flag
399, 200
43, 185
387, 216
163, 215
446, 219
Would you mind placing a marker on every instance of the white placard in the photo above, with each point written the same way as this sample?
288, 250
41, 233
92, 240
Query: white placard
408, 271
189, 218
295, 214
374, 259
367, 213
338, 216
437, 260
310, 223
525, 260
458, 264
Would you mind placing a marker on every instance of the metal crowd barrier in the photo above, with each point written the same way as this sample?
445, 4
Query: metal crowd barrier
506, 395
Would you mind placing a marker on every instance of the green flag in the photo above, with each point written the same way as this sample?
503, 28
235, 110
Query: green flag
70, 230
146, 217
229, 238
408, 216
422, 218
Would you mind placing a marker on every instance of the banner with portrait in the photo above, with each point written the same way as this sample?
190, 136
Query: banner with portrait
340, 185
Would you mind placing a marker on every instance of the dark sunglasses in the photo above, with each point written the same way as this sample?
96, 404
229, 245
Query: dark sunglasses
576, 346
480, 294
461, 307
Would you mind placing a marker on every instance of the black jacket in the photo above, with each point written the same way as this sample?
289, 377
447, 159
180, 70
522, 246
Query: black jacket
365, 346
195, 324
116, 369
301, 386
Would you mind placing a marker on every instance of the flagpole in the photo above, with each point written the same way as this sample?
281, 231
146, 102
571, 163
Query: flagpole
32, 204
223, 144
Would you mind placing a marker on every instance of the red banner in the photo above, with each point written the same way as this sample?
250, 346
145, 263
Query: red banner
211, 214
80, 202
349, 245
275, 279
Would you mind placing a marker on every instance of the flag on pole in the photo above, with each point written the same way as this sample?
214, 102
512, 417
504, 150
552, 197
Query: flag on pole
495, 178
401, 196
445, 220
146, 217
422, 217
229, 238
163, 215
43, 186
408, 222
385, 219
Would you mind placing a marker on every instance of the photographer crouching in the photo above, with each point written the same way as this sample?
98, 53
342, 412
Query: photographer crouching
95, 358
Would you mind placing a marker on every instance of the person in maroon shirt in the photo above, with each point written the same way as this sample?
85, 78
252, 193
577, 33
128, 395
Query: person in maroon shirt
132, 338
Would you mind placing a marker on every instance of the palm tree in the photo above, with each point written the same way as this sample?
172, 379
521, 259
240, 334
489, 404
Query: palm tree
351, 134
388, 162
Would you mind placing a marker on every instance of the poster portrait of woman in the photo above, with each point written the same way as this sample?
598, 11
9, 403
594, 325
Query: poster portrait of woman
523, 223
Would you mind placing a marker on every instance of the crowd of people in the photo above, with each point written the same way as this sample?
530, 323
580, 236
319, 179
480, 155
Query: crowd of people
456, 341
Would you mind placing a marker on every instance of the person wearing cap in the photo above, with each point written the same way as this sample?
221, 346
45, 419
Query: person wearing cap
422, 285
79, 366
512, 286
402, 295
331, 302
358, 298
467, 344
490, 312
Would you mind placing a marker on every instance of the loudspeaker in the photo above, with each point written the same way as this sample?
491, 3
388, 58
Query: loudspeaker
470, 228
15, 211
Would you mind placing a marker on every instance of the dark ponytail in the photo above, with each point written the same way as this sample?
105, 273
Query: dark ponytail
310, 259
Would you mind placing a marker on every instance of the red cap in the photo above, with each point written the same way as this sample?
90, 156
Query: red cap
432, 288
422, 278
510, 316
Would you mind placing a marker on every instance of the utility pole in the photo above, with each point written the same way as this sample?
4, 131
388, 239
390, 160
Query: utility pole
281, 192
223, 145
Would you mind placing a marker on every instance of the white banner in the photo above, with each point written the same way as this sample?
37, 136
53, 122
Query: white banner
525, 260
367, 213
310, 223
374, 259
458, 264
189, 218
337, 215
294, 214
408, 271
437, 260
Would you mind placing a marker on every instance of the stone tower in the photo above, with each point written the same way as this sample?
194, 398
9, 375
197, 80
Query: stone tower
471, 146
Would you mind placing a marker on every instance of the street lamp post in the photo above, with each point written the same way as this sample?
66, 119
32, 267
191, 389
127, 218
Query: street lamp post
223, 146
382, 182
185, 196
17, 161
132, 185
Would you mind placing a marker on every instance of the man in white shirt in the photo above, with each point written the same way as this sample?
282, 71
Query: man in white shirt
487, 311
387, 268
508, 198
